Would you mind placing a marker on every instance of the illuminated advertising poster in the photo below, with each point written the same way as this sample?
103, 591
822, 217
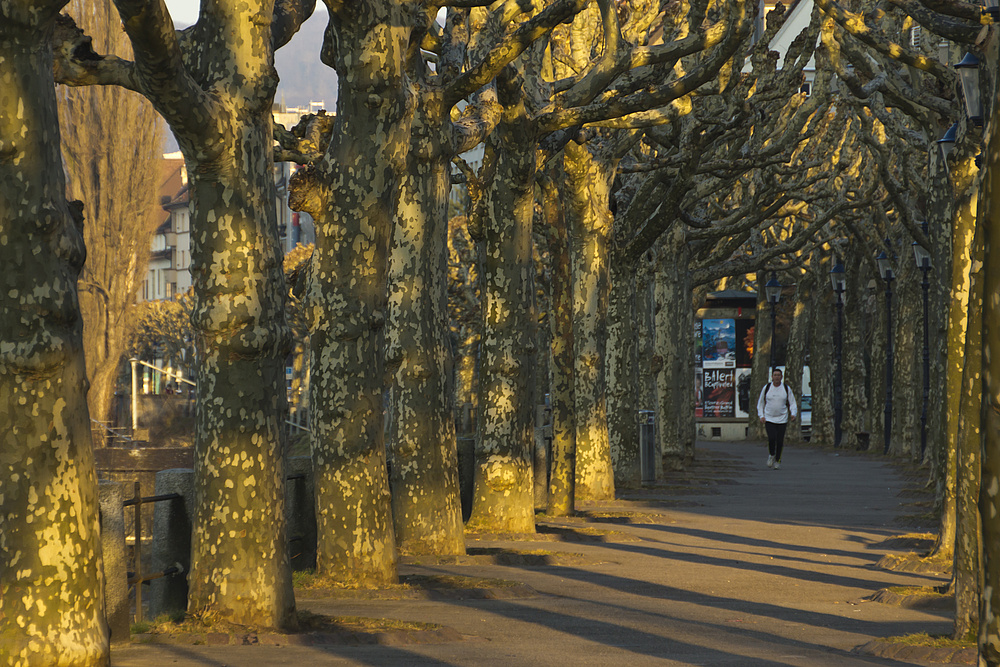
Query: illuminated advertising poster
718, 344
720, 393
744, 396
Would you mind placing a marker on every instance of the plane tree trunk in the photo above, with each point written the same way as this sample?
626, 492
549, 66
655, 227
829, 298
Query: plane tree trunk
590, 220
968, 538
562, 475
51, 583
352, 194
674, 327
424, 466
216, 96
503, 496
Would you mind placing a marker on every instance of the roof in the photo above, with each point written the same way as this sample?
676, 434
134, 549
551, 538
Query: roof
172, 187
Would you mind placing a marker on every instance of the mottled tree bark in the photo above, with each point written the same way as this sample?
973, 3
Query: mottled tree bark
51, 585
588, 185
503, 499
877, 346
646, 361
821, 357
465, 322
216, 94
352, 195
856, 416
239, 547
562, 471
674, 326
623, 424
968, 538
907, 384
760, 364
989, 497
806, 300
424, 465
963, 233
941, 211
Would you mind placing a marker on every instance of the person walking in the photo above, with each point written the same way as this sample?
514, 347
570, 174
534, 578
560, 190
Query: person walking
776, 407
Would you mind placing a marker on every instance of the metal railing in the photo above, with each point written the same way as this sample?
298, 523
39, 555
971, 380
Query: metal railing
109, 435
138, 578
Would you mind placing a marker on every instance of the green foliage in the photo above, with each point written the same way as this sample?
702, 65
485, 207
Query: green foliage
304, 579
164, 330
141, 628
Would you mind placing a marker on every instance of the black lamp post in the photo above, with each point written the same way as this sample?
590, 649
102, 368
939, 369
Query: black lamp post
885, 270
839, 282
923, 259
773, 291
968, 73
946, 144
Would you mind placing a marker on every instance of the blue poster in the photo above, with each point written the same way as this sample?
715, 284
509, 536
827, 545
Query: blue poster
718, 349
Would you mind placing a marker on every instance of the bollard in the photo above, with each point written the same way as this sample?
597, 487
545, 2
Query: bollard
647, 445
116, 601
172, 541
300, 512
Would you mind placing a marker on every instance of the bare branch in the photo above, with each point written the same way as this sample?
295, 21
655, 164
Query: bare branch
287, 18
76, 63
857, 25
510, 48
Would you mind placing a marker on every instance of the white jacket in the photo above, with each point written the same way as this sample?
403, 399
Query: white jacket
780, 401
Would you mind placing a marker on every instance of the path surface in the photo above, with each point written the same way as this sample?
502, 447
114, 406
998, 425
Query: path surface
744, 566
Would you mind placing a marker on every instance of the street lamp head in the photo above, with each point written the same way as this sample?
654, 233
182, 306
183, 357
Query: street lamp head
838, 278
884, 267
921, 255
947, 143
773, 289
968, 73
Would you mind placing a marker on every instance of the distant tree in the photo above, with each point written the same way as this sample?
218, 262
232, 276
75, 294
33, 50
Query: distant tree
51, 589
163, 329
111, 138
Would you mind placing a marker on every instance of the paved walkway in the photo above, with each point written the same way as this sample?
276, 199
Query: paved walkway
743, 566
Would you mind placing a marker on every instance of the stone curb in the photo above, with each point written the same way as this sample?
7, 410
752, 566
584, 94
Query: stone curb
343, 638
474, 593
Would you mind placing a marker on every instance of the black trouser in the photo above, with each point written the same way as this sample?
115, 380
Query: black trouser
775, 438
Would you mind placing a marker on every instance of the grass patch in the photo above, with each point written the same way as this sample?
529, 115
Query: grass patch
311, 580
923, 591
454, 582
141, 628
160, 624
934, 641
310, 622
